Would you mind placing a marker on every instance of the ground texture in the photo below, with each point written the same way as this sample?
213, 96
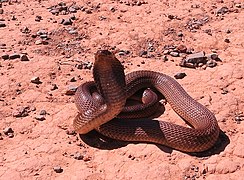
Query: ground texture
47, 50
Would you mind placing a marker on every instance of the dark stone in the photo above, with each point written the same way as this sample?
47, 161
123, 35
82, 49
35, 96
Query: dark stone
14, 56
2, 24
180, 75
58, 169
24, 57
5, 56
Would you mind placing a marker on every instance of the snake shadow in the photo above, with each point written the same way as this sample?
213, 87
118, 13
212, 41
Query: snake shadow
99, 141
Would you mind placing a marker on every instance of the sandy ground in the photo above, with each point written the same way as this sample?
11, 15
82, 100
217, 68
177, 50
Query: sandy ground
43, 58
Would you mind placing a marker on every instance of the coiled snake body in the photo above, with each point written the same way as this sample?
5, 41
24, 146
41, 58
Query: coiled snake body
114, 88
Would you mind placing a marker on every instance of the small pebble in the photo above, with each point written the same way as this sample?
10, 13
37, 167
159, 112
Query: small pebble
227, 40
73, 79
35, 80
142, 53
24, 57
38, 42
2, 24
54, 87
181, 48
71, 90
43, 36
5, 56
174, 54
211, 63
38, 18
58, 169
180, 75
1, 11
43, 112
40, 117
14, 56
214, 56
78, 156
10, 135
8, 130
21, 111
67, 22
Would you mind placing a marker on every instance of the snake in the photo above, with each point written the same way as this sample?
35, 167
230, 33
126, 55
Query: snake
114, 88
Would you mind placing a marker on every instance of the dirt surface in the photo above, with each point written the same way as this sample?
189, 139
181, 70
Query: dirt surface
47, 50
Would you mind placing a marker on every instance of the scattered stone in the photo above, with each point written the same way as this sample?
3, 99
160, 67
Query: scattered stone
78, 156
112, 9
10, 135
194, 59
73, 32
211, 63
43, 112
180, 34
181, 49
5, 56
2, 24
142, 53
38, 18
43, 36
227, 40
24, 57
14, 56
174, 54
73, 79
123, 52
54, 87
214, 56
180, 75
21, 111
222, 11
228, 31
58, 169
71, 90
36, 80
25, 30
40, 117
1, 11
8, 130
67, 22
38, 42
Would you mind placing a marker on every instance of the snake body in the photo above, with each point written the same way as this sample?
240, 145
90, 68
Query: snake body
114, 88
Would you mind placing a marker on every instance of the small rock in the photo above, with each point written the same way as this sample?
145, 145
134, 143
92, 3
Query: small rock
40, 117
112, 9
67, 22
58, 169
21, 111
10, 135
70, 132
73, 32
38, 18
71, 90
228, 31
73, 79
36, 80
1, 11
54, 87
43, 36
14, 56
211, 63
214, 56
8, 130
174, 54
78, 156
196, 58
223, 10
5, 56
180, 75
38, 42
123, 52
227, 40
181, 49
2, 24
24, 57
180, 34
43, 112
142, 53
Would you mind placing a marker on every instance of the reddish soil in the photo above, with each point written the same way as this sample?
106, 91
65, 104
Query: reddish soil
41, 143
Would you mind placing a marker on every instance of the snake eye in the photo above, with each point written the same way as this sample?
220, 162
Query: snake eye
104, 52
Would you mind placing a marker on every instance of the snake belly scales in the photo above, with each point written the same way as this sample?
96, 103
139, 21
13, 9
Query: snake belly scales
114, 87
